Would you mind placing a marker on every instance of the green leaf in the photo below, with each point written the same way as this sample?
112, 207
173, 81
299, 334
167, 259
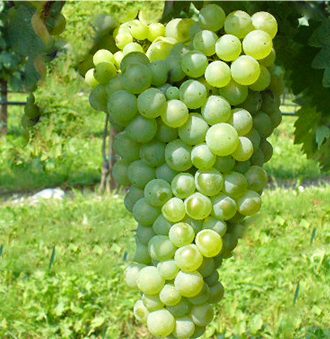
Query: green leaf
326, 78
256, 324
322, 134
322, 59
321, 36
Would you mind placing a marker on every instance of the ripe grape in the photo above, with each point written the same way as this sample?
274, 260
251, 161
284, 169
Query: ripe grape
212, 17
183, 185
265, 22
161, 323
204, 41
202, 157
228, 47
151, 103
238, 23
245, 70
181, 234
217, 74
216, 109
258, 44
194, 64
194, 130
193, 93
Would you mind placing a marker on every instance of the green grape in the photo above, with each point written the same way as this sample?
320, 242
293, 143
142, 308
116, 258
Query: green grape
265, 22
257, 158
275, 117
139, 173
238, 23
122, 107
142, 130
212, 279
132, 59
131, 274
238, 230
161, 248
194, 64
98, 98
161, 225
157, 192
156, 30
168, 269
165, 133
141, 254
179, 29
211, 17
270, 102
184, 327
161, 323
144, 234
159, 71
258, 44
235, 184
207, 268
204, 41
181, 234
216, 109
245, 70
241, 120
174, 210
180, 309
160, 49
152, 302
234, 93
138, 29
176, 113
151, 103
267, 150
209, 182
178, 155
242, 166
263, 81
172, 92
252, 103
222, 139
217, 74
188, 258
202, 157
224, 164
114, 85
165, 172
202, 314
198, 206
229, 244
153, 153
194, 130
269, 60
208, 242
90, 78
249, 203
254, 137
189, 284
244, 149
137, 78
263, 124
145, 213
216, 225
183, 185
202, 297
132, 196
169, 295
224, 207
175, 73
140, 311
257, 178
199, 331
216, 293
197, 225
104, 72
119, 172
193, 93
118, 57
228, 47
122, 39
132, 47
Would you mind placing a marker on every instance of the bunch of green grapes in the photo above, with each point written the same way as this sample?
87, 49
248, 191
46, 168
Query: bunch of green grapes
193, 104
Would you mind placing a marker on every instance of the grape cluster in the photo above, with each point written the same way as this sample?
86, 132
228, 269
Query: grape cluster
193, 103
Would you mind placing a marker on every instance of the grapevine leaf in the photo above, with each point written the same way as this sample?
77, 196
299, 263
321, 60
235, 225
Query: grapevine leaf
326, 77
322, 59
321, 36
322, 134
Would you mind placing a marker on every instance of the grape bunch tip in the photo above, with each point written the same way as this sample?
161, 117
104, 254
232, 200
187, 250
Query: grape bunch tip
193, 102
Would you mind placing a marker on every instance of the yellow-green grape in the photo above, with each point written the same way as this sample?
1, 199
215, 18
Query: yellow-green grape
198, 206
178, 155
218, 74
235, 184
157, 192
194, 64
151, 103
194, 130
211, 17
202, 297
155, 30
202, 315
216, 109
174, 210
184, 327
209, 182
152, 302
183, 185
188, 258
209, 243
202, 157
118, 57
132, 47
179, 29
234, 93
263, 80
103, 55
249, 203
189, 284
149, 280
161, 248
90, 78
175, 114
257, 44
140, 311
224, 207
204, 41
168, 269
228, 47
169, 295
241, 120
265, 22
161, 323
245, 70
244, 149
216, 225
238, 23
131, 274
181, 234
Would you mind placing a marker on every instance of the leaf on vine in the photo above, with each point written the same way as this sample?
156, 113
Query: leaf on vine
322, 59
322, 134
321, 36
326, 78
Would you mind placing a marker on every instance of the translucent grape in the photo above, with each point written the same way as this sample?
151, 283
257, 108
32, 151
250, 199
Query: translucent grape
152, 302
269, 60
119, 172
218, 74
198, 206
172, 92
165, 133
165, 172
131, 274
132, 59
180, 309
169, 295
235, 184
202, 157
216, 293
188, 258
114, 85
177, 155
159, 72
161, 323
202, 314
141, 130
263, 124
183, 185
194, 64
132, 47
245, 70
156, 30
189, 284
238, 23
224, 207
179, 29
168, 269
184, 327
228, 47
211, 17
222, 139
161, 248
208, 182
204, 41
151, 103
122, 39
216, 109
90, 78
265, 22
241, 120
141, 254
216, 225
224, 164
104, 72
150, 281
140, 311
234, 93
145, 213
174, 210
98, 98
139, 173
263, 80
144, 234
137, 78
176, 113
257, 178
161, 225
202, 297
193, 93
138, 29
157, 192
249, 203
194, 130
181, 234
207, 268
258, 44
208, 242
244, 149
153, 153
132, 196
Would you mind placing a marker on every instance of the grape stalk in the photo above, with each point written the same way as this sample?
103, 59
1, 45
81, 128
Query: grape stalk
193, 102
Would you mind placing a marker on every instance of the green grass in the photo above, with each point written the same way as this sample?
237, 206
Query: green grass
83, 294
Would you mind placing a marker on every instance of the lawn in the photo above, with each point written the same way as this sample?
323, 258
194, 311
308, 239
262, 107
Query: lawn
62, 264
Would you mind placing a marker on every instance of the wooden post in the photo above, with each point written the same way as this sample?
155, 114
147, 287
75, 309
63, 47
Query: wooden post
4, 107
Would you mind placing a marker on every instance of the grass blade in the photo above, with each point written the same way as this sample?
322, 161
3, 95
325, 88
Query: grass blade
52, 259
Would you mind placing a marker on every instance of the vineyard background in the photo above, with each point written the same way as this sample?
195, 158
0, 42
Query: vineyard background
61, 261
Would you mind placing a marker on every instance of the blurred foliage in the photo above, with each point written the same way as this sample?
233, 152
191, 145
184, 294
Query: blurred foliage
83, 293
